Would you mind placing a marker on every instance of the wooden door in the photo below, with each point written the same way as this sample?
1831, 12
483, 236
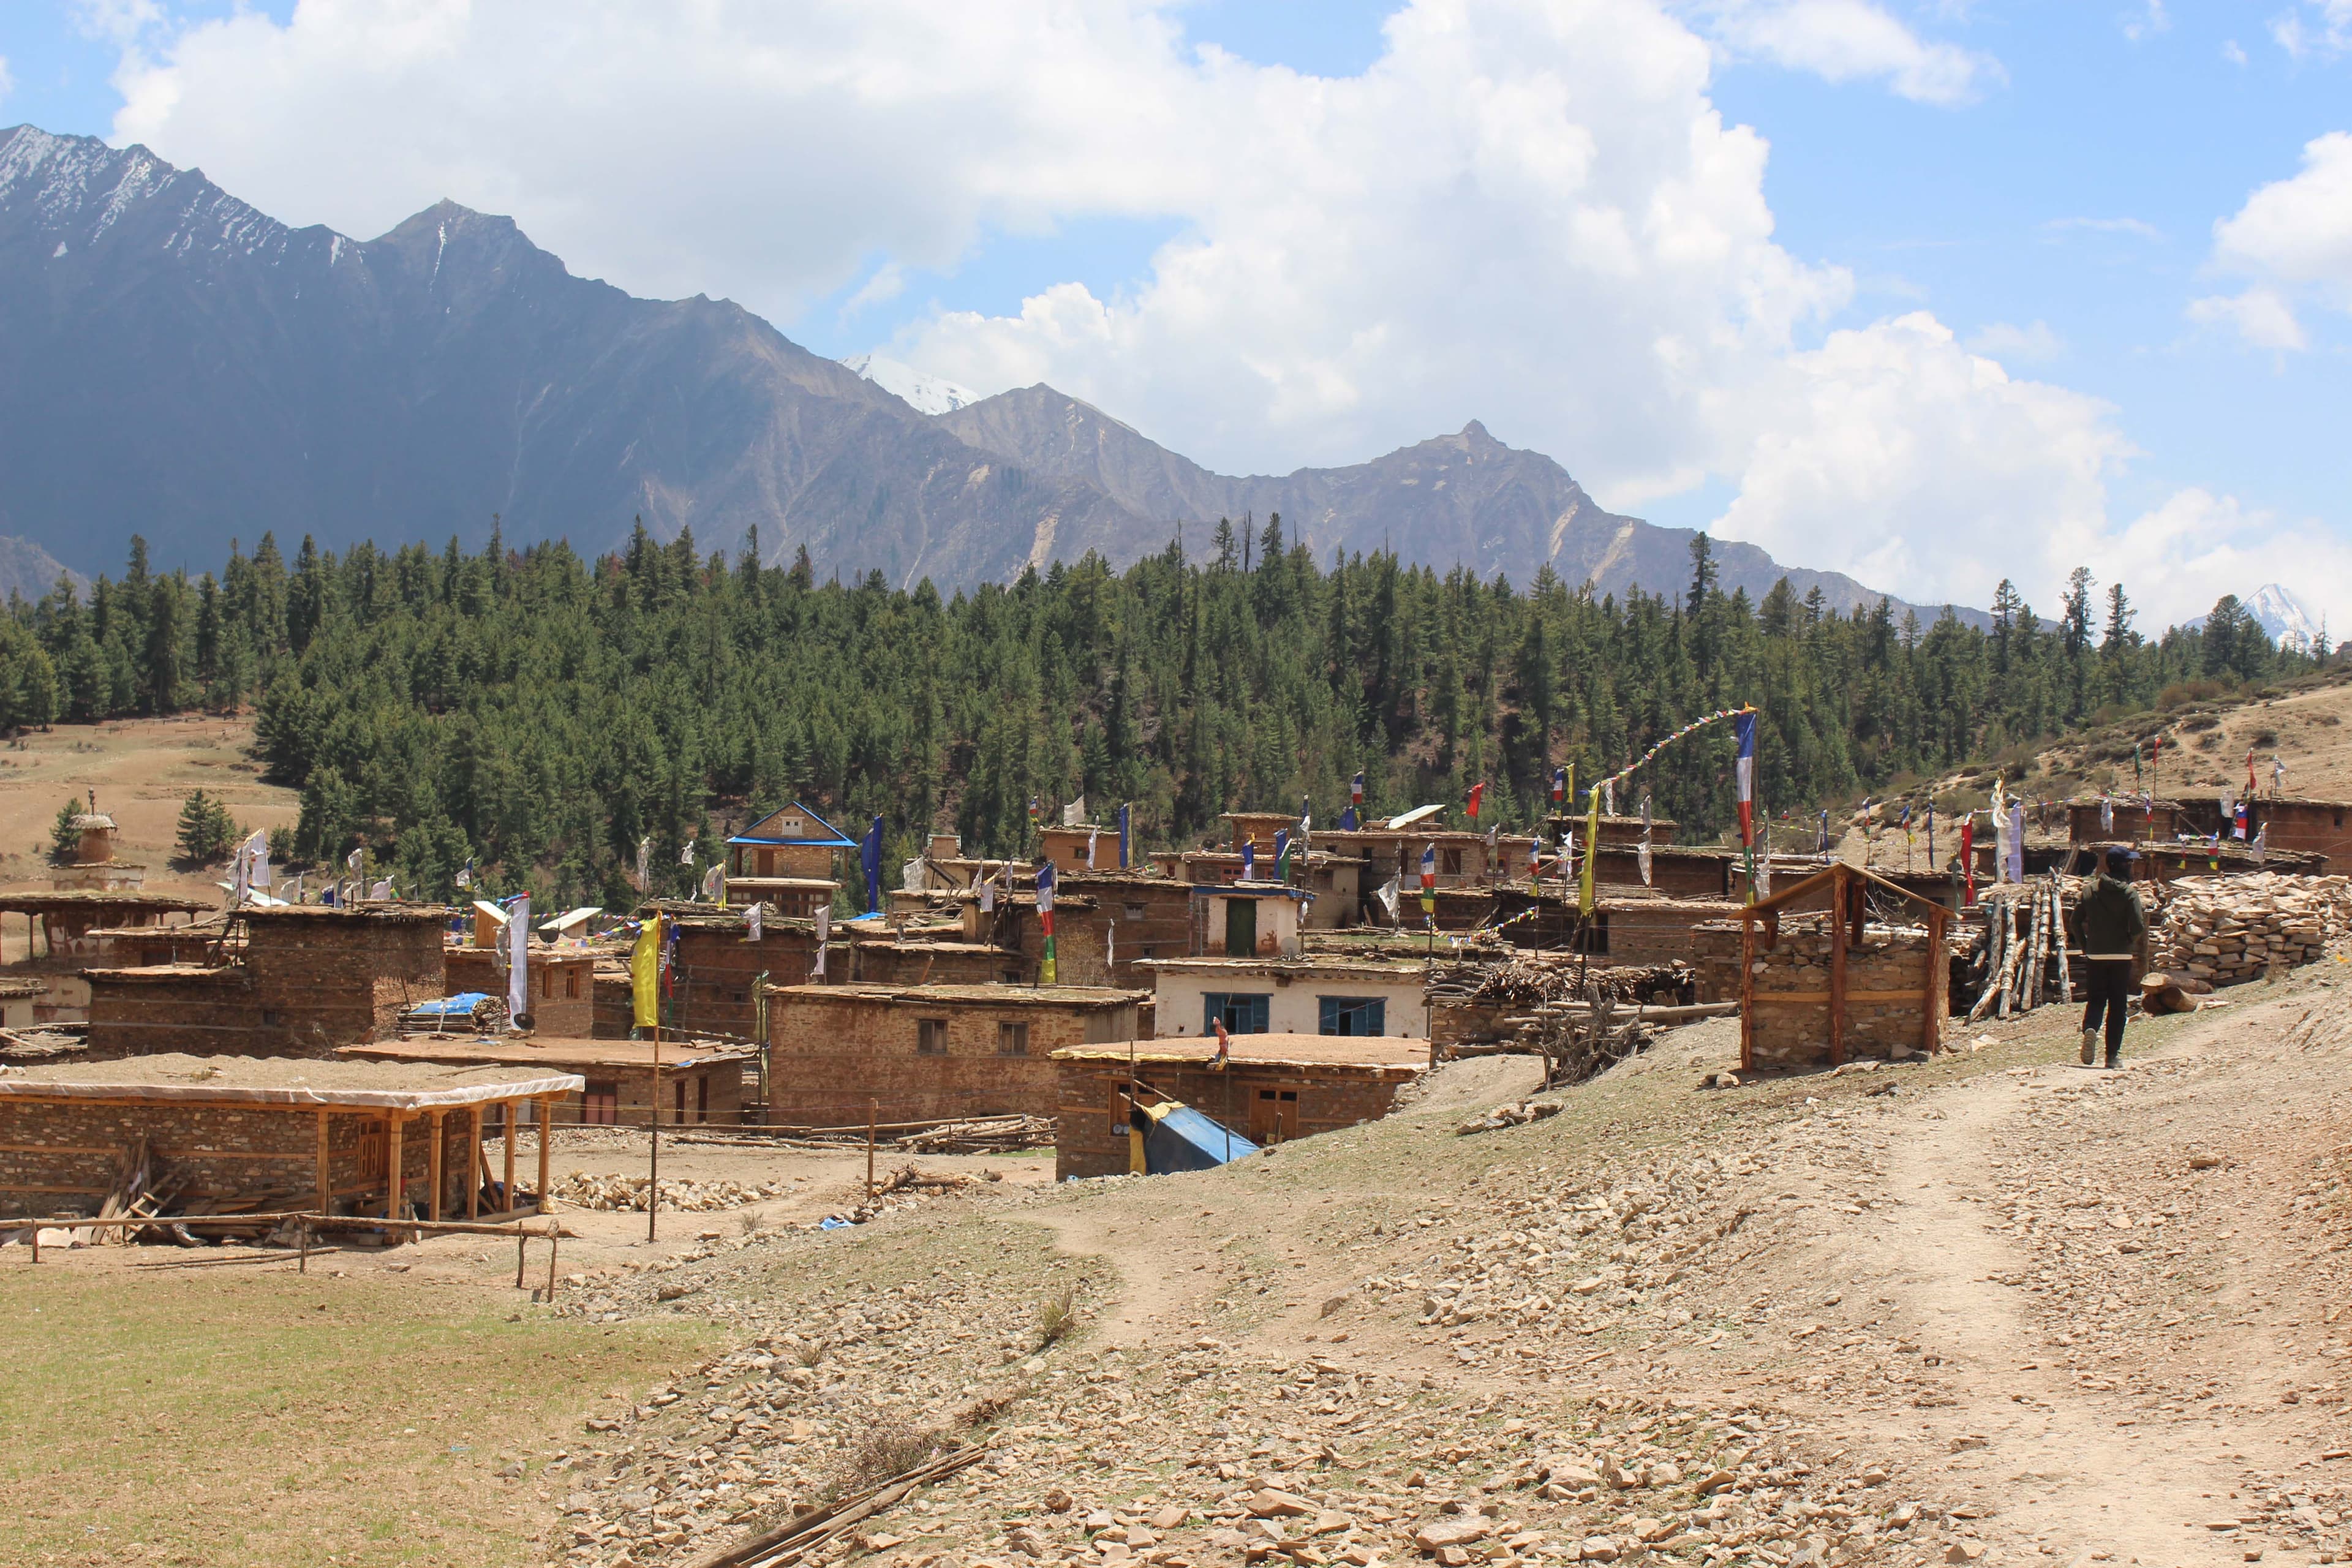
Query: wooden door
1241, 928
1273, 1116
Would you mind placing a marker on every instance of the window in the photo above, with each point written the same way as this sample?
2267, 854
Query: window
547, 982
1135, 911
600, 1104
1351, 1016
930, 1036
571, 981
1450, 862
1012, 1039
678, 1100
1242, 1012
702, 1098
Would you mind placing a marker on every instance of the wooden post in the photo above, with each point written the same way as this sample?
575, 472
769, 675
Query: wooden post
550, 1266
474, 1164
392, 1162
546, 1132
1746, 994
512, 1123
432, 1209
653, 1124
1837, 971
1940, 979
302, 1264
326, 1186
870, 1151
522, 1240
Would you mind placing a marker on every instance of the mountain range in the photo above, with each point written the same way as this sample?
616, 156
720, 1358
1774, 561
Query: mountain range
176, 363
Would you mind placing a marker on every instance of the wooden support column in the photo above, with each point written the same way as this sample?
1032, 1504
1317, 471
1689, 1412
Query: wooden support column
1746, 994
1939, 978
474, 1163
510, 1122
1837, 977
440, 1130
326, 1186
392, 1166
546, 1130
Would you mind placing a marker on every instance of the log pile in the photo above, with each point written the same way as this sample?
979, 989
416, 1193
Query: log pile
2021, 958
612, 1193
2228, 930
1534, 979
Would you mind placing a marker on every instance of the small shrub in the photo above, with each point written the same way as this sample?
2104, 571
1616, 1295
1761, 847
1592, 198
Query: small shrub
2181, 693
207, 833
64, 838
2264, 738
1057, 1314
886, 1449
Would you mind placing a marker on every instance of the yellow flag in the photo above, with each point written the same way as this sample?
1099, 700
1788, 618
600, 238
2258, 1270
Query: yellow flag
1592, 851
645, 972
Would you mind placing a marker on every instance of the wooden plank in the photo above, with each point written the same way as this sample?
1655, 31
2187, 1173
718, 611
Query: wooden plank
1815, 998
1837, 976
326, 1191
474, 1165
440, 1126
392, 1168
546, 1133
1940, 979
1746, 996
508, 1123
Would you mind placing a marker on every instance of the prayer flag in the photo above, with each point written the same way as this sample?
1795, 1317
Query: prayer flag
1352, 817
1249, 860
1968, 856
465, 873
1045, 970
823, 936
686, 853
518, 961
1092, 836
714, 885
1477, 794
754, 920
644, 865
1075, 813
2251, 786
356, 858
1126, 834
1559, 789
1428, 879
1281, 855
988, 895
872, 857
1592, 849
645, 973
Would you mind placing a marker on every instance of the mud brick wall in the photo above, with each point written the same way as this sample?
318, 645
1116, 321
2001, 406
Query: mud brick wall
1091, 1133
1150, 918
684, 1097
60, 1157
915, 963
337, 981
1797, 1033
1682, 875
206, 1012
1715, 953
828, 1056
1453, 1023
1660, 933
717, 966
614, 1006
563, 992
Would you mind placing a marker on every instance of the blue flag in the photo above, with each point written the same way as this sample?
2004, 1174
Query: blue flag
872, 857
1249, 860
1124, 828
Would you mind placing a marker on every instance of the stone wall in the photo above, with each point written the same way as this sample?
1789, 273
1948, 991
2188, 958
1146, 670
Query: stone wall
1091, 1135
562, 994
60, 1157
1795, 1033
717, 965
829, 1054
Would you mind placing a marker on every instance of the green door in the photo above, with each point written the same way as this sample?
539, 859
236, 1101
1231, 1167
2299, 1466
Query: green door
1241, 928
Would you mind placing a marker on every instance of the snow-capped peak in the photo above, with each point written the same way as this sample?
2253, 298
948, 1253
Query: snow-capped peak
2289, 621
928, 394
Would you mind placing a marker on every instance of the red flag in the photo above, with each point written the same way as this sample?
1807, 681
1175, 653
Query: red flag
2250, 771
1224, 1046
1478, 792
1968, 858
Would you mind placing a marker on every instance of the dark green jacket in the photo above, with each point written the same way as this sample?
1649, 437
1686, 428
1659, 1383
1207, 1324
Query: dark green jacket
2109, 920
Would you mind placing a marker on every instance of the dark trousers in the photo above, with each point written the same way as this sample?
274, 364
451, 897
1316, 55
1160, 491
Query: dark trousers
2109, 983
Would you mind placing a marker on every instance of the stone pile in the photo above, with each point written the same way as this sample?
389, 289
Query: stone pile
613, 1193
2226, 930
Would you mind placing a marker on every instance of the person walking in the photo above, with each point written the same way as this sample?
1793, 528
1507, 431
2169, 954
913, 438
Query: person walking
2108, 925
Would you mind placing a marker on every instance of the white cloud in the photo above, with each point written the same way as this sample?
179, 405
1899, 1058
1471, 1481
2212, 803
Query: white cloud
2148, 21
8, 82
2258, 315
2178, 557
2315, 29
1525, 211
2294, 237
2233, 52
889, 281
1848, 40
2037, 342
2137, 229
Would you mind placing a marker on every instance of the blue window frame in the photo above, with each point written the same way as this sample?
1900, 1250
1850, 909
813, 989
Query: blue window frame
1351, 1015
1243, 1012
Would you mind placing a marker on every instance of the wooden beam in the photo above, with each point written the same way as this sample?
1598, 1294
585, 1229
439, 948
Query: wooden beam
1771, 998
1746, 996
474, 1164
326, 1186
393, 1167
546, 1130
1940, 979
508, 1121
1837, 986
439, 1129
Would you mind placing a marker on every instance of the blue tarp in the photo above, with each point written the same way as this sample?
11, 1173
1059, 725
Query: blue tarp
1179, 1138
451, 1006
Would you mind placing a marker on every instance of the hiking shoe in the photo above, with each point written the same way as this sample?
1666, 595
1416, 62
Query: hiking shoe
2090, 1047
2115, 1061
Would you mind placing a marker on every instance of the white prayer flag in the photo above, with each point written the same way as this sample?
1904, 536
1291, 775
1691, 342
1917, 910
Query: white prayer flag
1388, 897
686, 853
644, 865
988, 895
714, 885
356, 858
824, 933
1075, 813
381, 892
1641, 858
752, 921
1090, 849
518, 959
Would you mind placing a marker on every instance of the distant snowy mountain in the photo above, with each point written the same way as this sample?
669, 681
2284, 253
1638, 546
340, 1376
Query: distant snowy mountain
926, 393
2290, 622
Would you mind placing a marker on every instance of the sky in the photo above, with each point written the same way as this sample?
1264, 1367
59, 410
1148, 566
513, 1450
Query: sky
1935, 292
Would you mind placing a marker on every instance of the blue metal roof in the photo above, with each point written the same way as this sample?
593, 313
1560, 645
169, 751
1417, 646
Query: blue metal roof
834, 841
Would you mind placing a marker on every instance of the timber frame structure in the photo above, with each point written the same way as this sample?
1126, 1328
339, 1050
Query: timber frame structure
1844, 890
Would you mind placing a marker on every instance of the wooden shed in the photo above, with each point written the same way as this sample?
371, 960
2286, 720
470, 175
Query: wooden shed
1800, 1007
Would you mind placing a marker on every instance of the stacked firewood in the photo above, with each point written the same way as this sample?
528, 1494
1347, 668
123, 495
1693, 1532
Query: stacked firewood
1533, 979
